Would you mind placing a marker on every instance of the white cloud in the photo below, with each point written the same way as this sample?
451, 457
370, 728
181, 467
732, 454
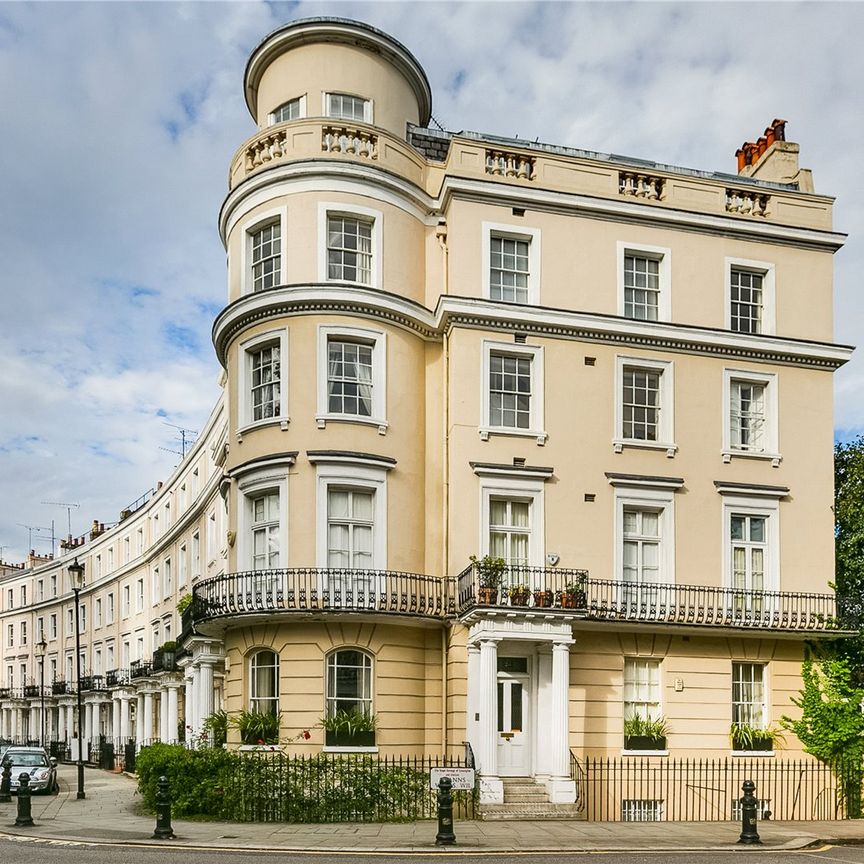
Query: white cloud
120, 121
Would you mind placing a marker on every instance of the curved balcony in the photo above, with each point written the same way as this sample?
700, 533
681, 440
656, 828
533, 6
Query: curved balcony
572, 593
313, 590
325, 138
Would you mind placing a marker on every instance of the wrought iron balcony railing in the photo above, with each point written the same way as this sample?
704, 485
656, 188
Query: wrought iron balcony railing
163, 661
5, 692
59, 687
318, 590
610, 600
32, 691
116, 678
140, 669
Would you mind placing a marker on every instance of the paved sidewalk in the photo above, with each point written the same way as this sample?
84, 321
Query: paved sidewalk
109, 814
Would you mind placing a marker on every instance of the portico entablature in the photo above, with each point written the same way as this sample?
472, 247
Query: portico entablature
529, 629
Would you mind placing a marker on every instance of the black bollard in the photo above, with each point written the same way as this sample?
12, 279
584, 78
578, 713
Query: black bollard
163, 831
6, 783
749, 834
24, 818
445, 835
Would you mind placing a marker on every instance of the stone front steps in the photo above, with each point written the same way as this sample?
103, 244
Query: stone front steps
525, 799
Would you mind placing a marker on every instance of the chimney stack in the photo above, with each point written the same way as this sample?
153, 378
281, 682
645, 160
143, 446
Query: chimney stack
771, 157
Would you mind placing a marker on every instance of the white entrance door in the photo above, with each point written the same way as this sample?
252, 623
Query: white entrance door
513, 721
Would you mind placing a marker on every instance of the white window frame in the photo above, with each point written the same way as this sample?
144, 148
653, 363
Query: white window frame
753, 505
352, 211
512, 232
247, 230
769, 381
532, 491
766, 270
766, 696
353, 477
537, 425
666, 427
251, 486
182, 566
378, 340
661, 254
646, 498
368, 107
658, 663
255, 700
300, 100
245, 423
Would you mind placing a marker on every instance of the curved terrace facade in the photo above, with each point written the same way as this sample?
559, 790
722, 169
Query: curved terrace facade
606, 382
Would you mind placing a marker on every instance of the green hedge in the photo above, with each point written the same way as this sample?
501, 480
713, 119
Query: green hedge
271, 787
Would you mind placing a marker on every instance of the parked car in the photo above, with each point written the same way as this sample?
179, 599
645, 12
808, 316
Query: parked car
33, 761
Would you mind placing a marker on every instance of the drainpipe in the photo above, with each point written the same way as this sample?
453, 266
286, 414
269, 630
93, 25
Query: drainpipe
441, 234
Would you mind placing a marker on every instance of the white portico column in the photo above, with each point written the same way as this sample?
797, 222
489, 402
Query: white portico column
561, 789
13, 723
70, 724
139, 720
115, 717
3, 732
205, 690
164, 730
171, 702
189, 705
491, 787
148, 715
123, 725
88, 721
472, 703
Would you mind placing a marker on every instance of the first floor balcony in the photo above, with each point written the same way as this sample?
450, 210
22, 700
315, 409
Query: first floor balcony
514, 590
313, 590
573, 593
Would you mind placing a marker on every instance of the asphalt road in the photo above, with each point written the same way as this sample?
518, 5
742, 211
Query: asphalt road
27, 851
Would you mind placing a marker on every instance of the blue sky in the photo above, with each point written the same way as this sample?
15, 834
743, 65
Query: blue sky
120, 119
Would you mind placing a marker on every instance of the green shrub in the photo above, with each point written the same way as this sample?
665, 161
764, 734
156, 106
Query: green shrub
272, 787
216, 724
198, 779
349, 722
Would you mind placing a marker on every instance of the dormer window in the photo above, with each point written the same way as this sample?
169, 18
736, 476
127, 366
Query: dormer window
344, 107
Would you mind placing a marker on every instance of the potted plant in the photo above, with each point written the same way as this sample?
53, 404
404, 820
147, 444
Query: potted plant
490, 572
169, 655
184, 603
572, 595
519, 595
543, 598
256, 727
351, 728
645, 733
753, 739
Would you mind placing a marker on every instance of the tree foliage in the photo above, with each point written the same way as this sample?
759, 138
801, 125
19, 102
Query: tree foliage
849, 550
831, 727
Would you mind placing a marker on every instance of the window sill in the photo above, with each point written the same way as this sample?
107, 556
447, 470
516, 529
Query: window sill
323, 419
326, 749
644, 752
281, 422
758, 754
774, 458
618, 445
538, 434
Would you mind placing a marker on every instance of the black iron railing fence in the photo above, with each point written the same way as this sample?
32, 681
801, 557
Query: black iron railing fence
116, 677
315, 589
610, 600
337, 788
649, 789
140, 669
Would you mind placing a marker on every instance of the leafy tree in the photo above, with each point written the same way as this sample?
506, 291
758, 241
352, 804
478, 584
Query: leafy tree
831, 727
849, 550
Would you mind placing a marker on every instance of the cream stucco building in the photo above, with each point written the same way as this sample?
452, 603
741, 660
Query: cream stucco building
614, 375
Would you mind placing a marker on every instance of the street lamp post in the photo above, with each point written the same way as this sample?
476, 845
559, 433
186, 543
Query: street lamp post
41, 648
76, 574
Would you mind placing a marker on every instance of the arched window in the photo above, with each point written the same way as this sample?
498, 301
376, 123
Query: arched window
349, 682
264, 682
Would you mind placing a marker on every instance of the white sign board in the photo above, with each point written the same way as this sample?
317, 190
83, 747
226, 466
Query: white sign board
462, 778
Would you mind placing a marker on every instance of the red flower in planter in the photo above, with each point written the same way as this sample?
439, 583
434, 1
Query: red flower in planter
306, 734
